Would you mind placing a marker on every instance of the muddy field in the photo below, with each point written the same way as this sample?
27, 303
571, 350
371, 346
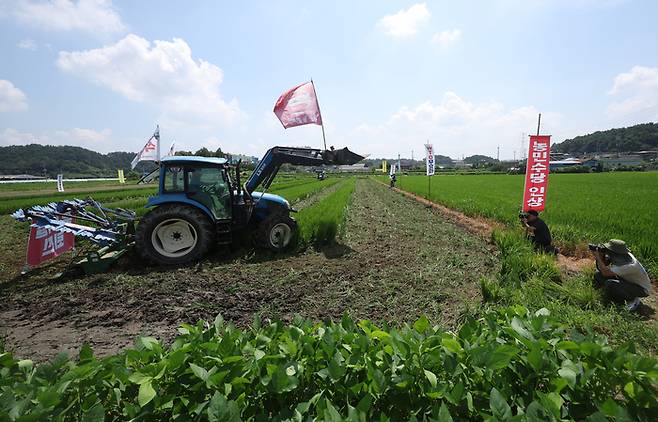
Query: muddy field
396, 260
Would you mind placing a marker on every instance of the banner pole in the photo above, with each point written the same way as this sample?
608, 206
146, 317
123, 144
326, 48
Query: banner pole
538, 123
317, 103
157, 129
429, 186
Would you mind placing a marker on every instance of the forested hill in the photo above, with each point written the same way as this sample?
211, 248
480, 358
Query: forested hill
634, 138
40, 160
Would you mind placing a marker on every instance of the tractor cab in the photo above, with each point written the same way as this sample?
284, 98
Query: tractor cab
203, 182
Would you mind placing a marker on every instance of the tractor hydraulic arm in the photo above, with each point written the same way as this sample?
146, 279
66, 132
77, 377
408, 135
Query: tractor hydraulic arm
268, 167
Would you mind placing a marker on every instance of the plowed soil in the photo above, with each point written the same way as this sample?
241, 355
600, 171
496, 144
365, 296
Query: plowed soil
398, 259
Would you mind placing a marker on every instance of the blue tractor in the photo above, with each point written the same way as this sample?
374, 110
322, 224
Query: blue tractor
200, 204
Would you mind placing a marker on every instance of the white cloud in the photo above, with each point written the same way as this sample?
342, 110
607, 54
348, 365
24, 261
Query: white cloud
87, 138
27, 44
454, 125
636, 94
161, 73
446, 38
11, 98
405, 23
93, 16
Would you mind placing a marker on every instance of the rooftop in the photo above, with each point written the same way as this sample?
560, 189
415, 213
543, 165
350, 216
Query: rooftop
194, 159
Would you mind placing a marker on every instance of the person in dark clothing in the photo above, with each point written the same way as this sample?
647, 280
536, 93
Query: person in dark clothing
393, 180
538, 232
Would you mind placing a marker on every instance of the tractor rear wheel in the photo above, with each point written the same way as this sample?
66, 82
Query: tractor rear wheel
276, 232
174, 234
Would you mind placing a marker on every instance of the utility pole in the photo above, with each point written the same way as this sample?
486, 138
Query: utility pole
514, 155
498, 153
412, 155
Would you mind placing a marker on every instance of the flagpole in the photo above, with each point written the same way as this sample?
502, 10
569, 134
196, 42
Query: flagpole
157, 130
317, 103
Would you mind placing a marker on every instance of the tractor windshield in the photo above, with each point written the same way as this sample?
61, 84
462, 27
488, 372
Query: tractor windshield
209, 186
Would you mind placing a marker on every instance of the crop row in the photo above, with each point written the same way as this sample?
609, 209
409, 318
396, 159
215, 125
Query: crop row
508, 365
580, 207
321, 222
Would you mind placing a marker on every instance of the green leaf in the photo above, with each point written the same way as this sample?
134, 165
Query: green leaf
331, 414
569, 375
259, 354
498, 405
431, 377
517, 325
147, 343
444, 414
451, 345
422, 324
95, 414
25, 364
199, 372
222, 410
535, 358
146, 394
86, 353
139, 378
568, 345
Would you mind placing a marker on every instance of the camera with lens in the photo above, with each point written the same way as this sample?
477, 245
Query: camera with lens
594, 247
523, 215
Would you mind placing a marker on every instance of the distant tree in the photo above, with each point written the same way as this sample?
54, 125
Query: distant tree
634, 138
204, 152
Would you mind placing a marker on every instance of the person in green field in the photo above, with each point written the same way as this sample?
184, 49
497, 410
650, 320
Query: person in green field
538, 232
620, 274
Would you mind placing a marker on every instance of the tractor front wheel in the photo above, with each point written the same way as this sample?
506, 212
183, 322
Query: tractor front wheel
276, 232
174, 234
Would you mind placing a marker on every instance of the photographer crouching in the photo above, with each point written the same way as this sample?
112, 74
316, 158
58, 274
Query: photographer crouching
537, 232
620, 274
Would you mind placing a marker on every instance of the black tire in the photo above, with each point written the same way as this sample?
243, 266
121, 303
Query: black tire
150, 247
266, 235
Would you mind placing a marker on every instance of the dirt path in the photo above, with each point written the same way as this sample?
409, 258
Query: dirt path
398, 259
484, 227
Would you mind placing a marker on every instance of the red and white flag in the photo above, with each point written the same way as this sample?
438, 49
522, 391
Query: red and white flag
536, 173
151, 150
298, 106
44, 244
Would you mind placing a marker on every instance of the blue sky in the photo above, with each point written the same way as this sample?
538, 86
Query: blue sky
390, 75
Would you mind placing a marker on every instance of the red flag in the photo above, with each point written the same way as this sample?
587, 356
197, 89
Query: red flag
536, 173
298, 106
44, 244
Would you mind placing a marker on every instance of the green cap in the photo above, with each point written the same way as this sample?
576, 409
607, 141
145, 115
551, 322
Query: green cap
616, 246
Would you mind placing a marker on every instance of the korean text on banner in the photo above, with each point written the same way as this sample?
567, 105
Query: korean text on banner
44, 244
429, 149
536, 174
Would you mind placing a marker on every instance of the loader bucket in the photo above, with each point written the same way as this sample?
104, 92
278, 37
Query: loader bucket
341, 157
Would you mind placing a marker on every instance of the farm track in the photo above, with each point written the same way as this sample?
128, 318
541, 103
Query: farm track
397, 260
484, 227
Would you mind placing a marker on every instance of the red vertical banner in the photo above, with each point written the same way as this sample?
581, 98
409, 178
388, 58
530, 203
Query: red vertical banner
44, 244
536, 173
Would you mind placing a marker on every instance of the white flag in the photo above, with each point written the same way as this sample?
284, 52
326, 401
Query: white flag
150, 150
430, 159
172, 150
